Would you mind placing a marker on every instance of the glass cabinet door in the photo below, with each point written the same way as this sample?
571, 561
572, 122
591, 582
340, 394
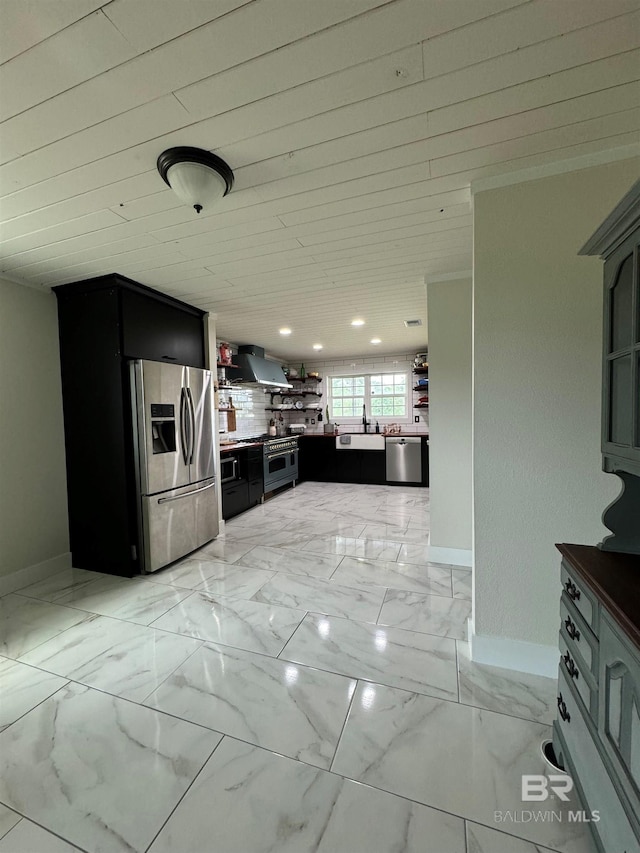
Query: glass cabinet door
621, 374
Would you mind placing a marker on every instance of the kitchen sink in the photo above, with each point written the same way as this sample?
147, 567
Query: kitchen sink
360, 441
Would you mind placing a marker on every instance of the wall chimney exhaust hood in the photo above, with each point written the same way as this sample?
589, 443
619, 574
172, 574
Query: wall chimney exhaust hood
253, 367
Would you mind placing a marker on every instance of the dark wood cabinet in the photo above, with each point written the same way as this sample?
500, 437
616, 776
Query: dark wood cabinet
248, 489
319, 460
255, 474
235, 498
157, 330
103, 322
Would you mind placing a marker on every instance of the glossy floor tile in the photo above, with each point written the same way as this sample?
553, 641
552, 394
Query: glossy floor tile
63, 582
322, 596
519, 694
21, 689
250, 625
131, 599
122, 658
459, 759
82, 762
294, 710
377, 549
189, 573
295, 686
224, 549
461, 580
481, 839
28, 837
431, 580
294, 563
27, 622
247, 799
429, 614
391, 656
8, 819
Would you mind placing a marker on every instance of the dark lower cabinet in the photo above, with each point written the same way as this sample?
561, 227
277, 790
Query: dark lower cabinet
316, 459
319, 460
248, 490
235, 498
360, 466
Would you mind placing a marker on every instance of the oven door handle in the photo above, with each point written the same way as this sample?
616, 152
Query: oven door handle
282, 453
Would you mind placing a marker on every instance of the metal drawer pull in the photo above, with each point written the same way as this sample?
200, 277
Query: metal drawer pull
572, 591
572, 669
572, 631
562, 708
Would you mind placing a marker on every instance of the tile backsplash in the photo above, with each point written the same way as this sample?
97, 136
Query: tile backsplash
251, 417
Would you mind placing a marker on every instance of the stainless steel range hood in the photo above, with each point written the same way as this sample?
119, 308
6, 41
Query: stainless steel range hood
253, 367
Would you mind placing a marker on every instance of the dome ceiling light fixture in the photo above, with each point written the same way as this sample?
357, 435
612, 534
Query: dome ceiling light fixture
197, 177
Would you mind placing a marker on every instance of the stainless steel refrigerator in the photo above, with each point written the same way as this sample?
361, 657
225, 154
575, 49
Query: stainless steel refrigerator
175, 460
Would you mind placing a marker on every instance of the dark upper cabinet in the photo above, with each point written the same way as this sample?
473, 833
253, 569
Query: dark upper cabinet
159, 331
102, 323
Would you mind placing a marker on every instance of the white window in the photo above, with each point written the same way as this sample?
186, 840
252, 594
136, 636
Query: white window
385, 396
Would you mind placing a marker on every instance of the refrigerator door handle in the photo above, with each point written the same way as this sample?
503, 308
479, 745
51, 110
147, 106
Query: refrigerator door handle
186, 494
192, 417
183, 426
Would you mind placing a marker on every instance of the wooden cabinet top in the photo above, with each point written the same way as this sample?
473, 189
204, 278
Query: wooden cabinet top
614, 578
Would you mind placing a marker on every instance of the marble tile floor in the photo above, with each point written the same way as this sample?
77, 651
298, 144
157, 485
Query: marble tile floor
301, 684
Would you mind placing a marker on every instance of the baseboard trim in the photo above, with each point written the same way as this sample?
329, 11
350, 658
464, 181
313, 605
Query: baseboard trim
32, 574
450, 556
514, 654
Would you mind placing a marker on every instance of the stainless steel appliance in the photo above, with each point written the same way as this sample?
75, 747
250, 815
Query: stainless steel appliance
403, 459
228, 468
175, 462
280, 462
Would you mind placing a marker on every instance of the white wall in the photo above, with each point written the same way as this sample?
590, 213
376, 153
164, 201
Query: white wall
33, 496
449, 312
537, 379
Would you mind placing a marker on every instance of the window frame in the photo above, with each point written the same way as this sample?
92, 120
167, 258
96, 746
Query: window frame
382, 419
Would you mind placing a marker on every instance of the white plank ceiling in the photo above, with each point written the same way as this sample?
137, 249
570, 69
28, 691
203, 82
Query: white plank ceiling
354, 129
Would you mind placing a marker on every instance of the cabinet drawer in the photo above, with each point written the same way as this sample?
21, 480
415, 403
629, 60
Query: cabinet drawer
581, 597
614, 827
577, 672
584, 642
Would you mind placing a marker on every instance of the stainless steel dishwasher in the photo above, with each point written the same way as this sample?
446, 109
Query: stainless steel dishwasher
404, 459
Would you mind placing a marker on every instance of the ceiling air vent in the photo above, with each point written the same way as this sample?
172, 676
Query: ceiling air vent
411, 323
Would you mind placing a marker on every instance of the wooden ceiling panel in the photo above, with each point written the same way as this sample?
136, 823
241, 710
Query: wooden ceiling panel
515, 29
79, 52
149, 23
354, 130
45, 19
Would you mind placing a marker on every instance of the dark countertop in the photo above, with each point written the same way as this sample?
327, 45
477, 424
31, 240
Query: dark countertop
345, 432
615, 579
239, 445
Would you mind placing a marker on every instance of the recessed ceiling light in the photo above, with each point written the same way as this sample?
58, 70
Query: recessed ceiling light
376, 341
285, 331
357, 322
317, 346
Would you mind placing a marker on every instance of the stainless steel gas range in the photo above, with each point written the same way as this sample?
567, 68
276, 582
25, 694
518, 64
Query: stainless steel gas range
280, 462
